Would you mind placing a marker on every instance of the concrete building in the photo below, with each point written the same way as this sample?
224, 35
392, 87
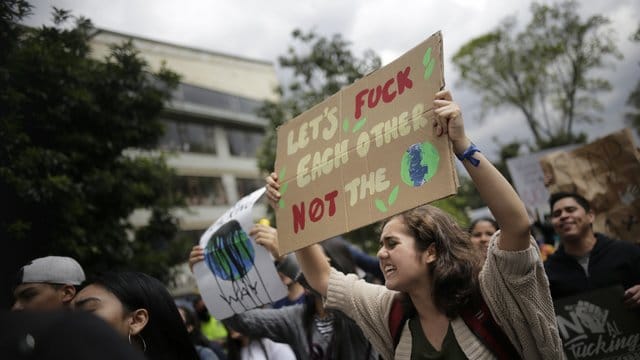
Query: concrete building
212, 130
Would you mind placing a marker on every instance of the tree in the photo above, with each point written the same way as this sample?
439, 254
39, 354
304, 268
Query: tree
544, 71
321, 67
68, 178
633, 118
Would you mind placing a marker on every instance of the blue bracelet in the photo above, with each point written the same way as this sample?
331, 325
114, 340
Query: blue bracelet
468, 154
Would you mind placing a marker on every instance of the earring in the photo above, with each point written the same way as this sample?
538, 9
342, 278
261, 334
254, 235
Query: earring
144, 343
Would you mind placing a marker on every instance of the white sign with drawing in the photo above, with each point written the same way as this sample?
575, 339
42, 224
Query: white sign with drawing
237, 274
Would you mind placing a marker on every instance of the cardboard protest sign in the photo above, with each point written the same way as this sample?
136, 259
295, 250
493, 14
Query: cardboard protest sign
596, 325
237, 274
366, 153
606, 173
528, 179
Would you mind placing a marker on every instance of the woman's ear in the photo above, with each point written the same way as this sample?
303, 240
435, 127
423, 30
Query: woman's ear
139, 319
430, 254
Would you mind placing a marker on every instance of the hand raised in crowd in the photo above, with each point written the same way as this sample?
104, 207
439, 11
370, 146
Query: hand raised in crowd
268, 237
273, 189
449, 120
632, 297
195, 256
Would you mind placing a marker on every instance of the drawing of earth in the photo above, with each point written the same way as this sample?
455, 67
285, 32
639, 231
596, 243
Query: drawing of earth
419, 164
229, 253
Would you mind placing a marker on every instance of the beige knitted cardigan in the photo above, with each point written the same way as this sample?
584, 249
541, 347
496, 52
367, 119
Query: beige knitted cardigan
514, 286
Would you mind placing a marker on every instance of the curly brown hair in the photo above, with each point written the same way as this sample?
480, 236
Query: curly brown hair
455, 272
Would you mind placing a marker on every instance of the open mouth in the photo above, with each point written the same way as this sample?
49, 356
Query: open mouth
389, 270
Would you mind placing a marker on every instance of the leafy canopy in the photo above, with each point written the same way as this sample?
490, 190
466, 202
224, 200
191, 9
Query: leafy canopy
68, 178
546, 71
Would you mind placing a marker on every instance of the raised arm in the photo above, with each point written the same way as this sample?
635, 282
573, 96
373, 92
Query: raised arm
495, 190
312, 260
315, 267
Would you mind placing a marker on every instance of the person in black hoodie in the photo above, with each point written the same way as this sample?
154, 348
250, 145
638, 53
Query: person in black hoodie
587, 260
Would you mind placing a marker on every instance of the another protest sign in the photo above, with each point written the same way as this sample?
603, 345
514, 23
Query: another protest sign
596, 325
365, 153
237, 274
528, 179
606, 173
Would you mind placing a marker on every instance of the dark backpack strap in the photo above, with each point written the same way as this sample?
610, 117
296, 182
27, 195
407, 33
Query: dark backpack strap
397, 319
481, 323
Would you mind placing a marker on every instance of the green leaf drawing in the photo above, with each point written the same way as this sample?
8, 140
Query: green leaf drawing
427, 57
359, 124
345, 125
428, 63
381, 206
284, 187
429, 70
394, 195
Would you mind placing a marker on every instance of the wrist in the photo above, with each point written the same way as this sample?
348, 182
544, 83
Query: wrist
468, 154
459, 146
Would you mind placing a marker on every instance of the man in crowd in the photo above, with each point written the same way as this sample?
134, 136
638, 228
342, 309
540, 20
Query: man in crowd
47, 283
586, 260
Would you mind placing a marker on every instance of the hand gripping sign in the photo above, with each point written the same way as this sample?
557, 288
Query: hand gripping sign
236, 274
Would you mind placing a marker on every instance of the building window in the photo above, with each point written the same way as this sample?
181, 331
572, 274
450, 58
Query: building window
247, 186
202, 191
188, 137
216, 99
244, 142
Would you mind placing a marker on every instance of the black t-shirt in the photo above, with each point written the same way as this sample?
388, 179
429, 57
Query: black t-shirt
422, 349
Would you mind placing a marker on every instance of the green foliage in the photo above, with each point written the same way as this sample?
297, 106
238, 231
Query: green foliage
543, 71
69, 179
469, 193
633, 117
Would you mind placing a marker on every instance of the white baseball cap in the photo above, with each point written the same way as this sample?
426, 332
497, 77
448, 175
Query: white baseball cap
52, 270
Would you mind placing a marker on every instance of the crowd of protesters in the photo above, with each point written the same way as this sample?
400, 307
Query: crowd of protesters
416, 299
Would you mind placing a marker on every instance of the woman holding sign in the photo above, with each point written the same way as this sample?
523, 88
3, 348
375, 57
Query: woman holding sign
440, 300
312, 331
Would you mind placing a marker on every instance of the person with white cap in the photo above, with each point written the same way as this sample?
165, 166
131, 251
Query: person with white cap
47, 283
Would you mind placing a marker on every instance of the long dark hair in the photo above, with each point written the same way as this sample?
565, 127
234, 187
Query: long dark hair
190, 319
165, 335
457, 266
481, 219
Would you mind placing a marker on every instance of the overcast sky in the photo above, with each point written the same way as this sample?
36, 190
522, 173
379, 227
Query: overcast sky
262, 30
